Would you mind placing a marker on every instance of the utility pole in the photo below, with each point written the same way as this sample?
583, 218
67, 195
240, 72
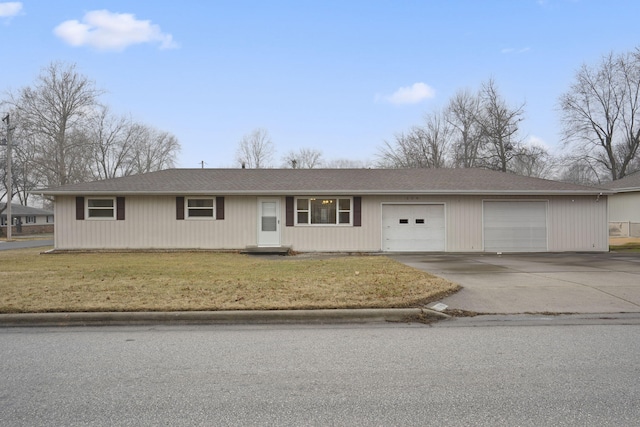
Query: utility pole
9, 178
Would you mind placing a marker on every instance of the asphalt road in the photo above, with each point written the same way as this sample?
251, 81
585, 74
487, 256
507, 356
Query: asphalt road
534, 372
21, 244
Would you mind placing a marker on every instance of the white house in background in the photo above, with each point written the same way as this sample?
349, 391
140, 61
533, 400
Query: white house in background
26, 220
346, 210
624, 206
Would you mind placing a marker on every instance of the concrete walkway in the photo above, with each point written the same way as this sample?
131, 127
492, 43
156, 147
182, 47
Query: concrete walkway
537, 283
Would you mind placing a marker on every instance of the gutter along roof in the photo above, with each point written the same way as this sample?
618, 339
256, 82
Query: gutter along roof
323, 182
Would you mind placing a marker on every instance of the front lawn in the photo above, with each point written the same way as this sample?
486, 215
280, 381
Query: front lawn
31, 282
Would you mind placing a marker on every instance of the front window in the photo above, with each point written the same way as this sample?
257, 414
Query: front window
101, 208
30, 219
323, 210
200, 208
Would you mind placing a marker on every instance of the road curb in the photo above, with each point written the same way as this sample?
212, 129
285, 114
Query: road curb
409, 315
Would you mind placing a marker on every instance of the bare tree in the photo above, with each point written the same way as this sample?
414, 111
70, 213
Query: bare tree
255, 150
347, 164
578, 170
462, 113
533, 160
499, 125
152, 150
26, 176
113, 139
51, 116
422, 147
601, 114
304, 158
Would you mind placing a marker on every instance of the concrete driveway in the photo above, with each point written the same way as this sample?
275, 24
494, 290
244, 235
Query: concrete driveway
537, 283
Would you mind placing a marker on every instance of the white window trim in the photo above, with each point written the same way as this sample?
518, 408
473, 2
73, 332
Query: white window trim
338, 211
102, 218
200, 218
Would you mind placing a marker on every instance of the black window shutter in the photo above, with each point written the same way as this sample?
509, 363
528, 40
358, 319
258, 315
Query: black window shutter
179, 207
219, 207
289, 211
357, 211
120, 208
79, 208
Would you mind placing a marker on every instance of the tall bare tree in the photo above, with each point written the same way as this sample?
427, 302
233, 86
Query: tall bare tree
304, 158
601, 114
255, 150
64, 135
499, 125
113, 139
152, 149
52, 116
462, 114
424, 146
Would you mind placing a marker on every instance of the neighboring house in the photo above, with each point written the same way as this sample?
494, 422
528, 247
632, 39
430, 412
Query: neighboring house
624, 206
346, 210
26, 220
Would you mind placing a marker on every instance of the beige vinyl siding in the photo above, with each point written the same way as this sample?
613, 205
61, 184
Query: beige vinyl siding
578, 224
574, 223
151, 223
624, 207
331, 238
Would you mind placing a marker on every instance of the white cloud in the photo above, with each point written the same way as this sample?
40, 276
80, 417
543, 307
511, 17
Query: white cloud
105, 30
535, 141
10, 9
413, 94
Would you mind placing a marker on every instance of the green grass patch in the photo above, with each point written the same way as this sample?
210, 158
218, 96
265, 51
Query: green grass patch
627, 247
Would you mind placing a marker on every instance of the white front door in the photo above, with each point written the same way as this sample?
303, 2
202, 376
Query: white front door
268, 222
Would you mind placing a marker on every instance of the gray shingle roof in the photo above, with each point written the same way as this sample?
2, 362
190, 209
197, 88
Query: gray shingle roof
20, 210
628, 183
322, 181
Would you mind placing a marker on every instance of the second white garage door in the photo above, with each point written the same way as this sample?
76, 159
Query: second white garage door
515, 226
413, 228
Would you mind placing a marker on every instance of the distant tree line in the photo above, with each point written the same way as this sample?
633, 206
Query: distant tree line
62, 133
600, 116
256, 150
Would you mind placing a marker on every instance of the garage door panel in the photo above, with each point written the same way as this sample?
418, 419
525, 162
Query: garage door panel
413, 228
515, 226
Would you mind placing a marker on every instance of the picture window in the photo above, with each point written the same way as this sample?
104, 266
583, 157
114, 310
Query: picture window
323, 211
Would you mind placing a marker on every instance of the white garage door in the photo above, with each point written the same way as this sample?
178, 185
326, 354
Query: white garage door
413, 228
515, 226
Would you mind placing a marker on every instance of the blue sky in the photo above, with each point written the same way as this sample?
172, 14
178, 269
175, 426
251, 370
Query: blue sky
337, 76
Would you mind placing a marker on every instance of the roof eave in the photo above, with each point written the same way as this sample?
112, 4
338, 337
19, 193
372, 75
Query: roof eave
328, 193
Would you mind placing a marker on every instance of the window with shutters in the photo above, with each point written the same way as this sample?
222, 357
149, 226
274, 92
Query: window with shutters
200, 208
101, 208
323, 211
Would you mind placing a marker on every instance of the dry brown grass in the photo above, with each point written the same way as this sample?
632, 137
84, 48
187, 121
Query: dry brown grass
624, 244
30, 282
